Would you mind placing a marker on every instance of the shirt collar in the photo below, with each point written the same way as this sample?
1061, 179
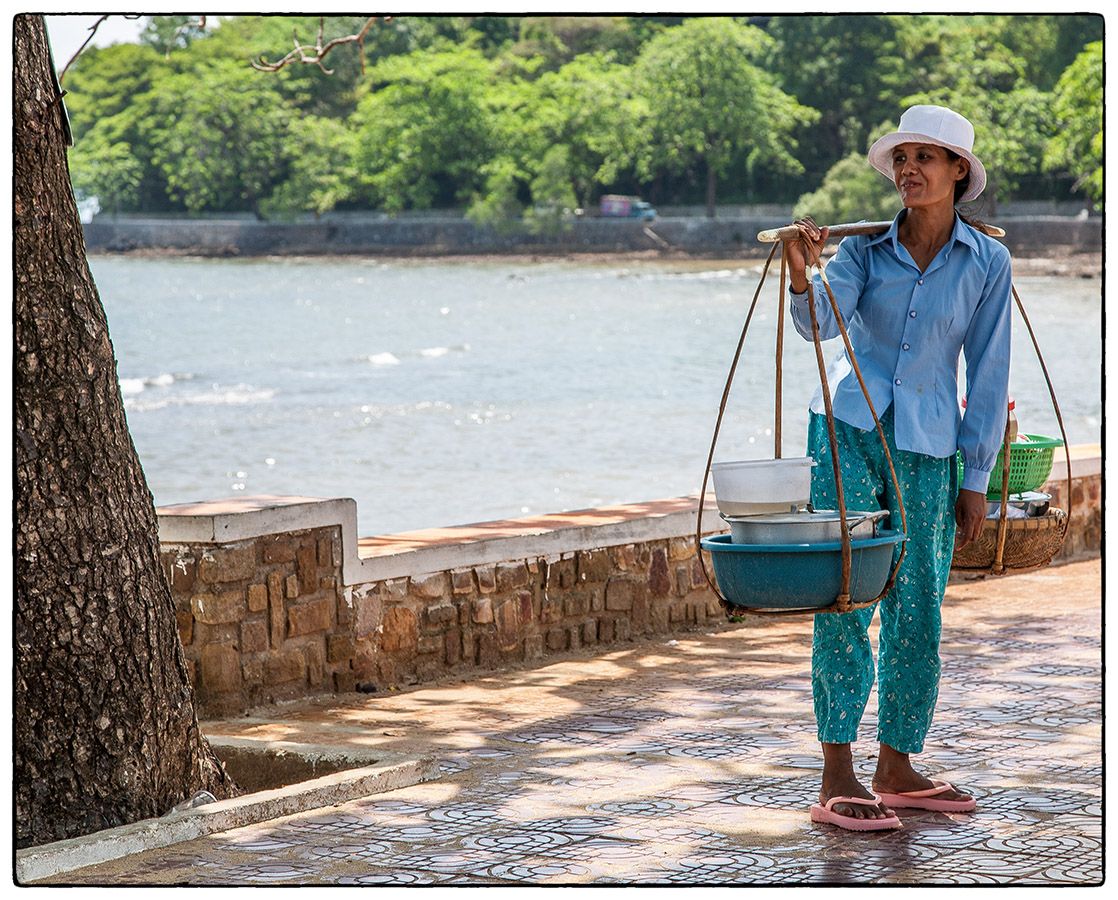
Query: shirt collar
961, 232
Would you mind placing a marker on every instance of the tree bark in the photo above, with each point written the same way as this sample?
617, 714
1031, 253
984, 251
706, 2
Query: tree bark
105, 727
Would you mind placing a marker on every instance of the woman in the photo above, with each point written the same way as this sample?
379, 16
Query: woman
911, 299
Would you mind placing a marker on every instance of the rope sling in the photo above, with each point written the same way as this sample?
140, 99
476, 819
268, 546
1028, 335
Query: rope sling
1035, 540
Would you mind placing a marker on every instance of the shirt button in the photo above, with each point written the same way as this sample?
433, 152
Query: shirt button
913, 314
921, 281
904, 346
898, 381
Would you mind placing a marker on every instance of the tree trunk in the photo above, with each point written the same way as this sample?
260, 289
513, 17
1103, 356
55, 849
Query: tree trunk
711, 179
105, 727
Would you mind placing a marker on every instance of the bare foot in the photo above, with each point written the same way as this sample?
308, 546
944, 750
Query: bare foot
895, 775
847, 785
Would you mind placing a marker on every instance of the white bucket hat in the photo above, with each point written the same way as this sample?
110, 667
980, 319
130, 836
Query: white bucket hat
932, 125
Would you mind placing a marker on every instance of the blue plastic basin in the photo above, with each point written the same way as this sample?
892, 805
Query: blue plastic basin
799, 576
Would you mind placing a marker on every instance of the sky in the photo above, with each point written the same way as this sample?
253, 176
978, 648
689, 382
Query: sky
68, 33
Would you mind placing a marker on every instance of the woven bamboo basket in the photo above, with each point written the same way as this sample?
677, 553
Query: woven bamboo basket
1029, 543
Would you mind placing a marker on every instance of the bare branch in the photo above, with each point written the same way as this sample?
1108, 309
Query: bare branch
314, 55
92, 31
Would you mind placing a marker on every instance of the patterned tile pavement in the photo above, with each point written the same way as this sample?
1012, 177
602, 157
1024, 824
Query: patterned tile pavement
693, 762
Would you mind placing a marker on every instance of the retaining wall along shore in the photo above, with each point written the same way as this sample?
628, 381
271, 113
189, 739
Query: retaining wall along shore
435, 236
277, 598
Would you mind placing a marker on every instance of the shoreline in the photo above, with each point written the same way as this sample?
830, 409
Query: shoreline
1070, 264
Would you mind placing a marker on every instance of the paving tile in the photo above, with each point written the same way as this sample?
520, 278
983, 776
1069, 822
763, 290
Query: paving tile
695, 763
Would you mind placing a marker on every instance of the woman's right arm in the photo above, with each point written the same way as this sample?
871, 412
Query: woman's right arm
845, 274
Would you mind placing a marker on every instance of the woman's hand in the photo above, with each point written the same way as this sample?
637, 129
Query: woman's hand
970, 514
805, 251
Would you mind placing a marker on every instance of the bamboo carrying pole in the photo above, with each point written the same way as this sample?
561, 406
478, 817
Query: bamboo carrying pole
792, 233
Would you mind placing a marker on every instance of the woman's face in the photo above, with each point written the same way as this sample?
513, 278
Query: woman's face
925, 175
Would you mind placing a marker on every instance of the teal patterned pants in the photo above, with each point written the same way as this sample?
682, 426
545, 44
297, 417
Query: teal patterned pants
842, 666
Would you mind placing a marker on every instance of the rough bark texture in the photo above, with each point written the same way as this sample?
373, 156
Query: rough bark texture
105, 727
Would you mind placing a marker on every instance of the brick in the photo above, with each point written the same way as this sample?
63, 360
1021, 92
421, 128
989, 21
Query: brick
487, 655
291, 587
430, 643
185, 621
524, 598
316, 663
254, 636
564, 571
344, 609
368, 611
508, 624
285, 665
483, 610
325, 553
682, 581
257, 597
216, 609
339, 647
621, 630
551, 610
486, 579
328, 583
221, 669
181, 573
440, 615
557, 639
429, 587
228, 564
619, 595
252, 671
306, 568
511, 576
400, 630
697, 577
533, 646
278, 550
597, 598
277, 614
309, 617
462, 581
659, 582
452, 647
576, 604
573, 641
592, 565
681, 549
590, 632
395, 589
605, 630
345, 682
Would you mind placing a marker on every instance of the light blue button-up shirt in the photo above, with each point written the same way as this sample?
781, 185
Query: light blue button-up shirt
907, 328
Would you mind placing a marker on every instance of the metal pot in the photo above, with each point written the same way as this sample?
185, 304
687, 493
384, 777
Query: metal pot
804, 527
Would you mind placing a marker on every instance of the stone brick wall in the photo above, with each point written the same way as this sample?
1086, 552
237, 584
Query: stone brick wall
412, 629
259, 620
269, 617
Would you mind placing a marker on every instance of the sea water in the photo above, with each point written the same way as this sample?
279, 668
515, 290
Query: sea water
446, 392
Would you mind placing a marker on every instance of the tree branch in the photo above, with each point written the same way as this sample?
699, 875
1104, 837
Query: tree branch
314, 55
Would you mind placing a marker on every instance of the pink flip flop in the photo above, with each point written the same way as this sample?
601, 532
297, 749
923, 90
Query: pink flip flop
926, 799
823, 813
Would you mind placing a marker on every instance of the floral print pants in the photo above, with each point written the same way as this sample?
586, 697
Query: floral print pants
908, 667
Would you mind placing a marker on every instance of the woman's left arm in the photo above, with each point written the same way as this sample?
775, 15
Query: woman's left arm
986, 347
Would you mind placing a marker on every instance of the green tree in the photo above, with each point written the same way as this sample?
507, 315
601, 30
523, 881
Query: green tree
424, 132
166, 33
711, 104
105, 81
107, 171
220, 136
852, 190
1076, 146
322, 173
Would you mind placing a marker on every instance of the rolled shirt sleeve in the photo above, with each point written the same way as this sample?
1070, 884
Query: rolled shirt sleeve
986, 348
846, 273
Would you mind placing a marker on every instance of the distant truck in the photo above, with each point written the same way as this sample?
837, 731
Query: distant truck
619, 206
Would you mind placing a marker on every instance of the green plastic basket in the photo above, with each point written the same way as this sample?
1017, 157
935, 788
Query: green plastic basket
1030, 463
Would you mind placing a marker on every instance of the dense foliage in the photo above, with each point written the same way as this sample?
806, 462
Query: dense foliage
523, 118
